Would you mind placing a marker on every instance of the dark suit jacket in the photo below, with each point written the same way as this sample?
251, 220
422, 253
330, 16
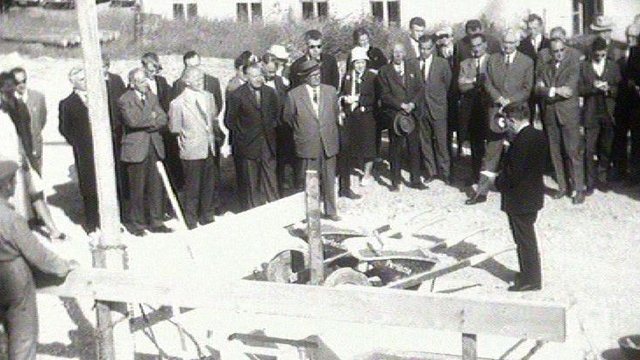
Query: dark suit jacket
590, 94
566, 110
377, 59
436, 89
396, 90
514, 82
523, 166
410, 52
628, 98
253, 125
115, 89
38, 113
330, 75
75, 127
367, 91
526, 47
142, 125
463, 47
313, 134
211, 84
164, 92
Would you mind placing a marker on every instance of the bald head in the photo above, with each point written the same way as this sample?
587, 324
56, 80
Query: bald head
632, 33
398, 53
77, 78
510, 41
138, 80
193, 77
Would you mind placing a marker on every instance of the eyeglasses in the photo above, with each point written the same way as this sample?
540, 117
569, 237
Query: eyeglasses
315, 46
21, 82
558, 51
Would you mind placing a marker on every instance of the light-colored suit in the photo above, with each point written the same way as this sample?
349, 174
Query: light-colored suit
37, 106
192, 117
315, 135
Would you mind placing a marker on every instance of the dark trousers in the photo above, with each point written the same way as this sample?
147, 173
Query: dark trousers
201, 177
599, 141
567, 151
145, 187
172, 161
326, 168
524, 235
434, 146
91, 212
412, 143
628, 123
345, 165
282, 162
18, 309
260, 183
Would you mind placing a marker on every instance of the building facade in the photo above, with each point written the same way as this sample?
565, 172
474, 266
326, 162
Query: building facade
573, 15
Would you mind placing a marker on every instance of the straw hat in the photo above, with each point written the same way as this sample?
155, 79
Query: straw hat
359, 53
602, 24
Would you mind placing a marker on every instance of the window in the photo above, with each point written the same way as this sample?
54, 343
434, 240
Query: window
256, 12
249, 11
315, 9
243, 12
178, 11
192, 11
386, 11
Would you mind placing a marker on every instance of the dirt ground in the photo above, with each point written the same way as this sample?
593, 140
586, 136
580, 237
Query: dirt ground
590, 254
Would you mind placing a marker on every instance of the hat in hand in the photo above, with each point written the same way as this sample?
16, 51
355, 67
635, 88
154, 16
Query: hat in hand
403, 124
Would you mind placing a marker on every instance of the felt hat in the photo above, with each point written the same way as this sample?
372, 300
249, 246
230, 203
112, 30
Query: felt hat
498, 123
308, 67
602, 24
445, 31
359, 53
279, 52
403, 124
8, 168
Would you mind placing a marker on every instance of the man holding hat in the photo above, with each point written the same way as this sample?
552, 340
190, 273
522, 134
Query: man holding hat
20, 250
313, 112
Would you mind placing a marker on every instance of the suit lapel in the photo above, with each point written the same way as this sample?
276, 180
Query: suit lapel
306, 98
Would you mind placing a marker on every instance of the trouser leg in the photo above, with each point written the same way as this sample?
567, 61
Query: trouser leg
251, 174
208, 193
91, 212
573, 142
413, 147
328, 181
394, 158
524, 235
268, 181
555, 149
591, 134
137, 181
345, 164
493, 152
193, 177
21, 320
154, 190
607, 134
442, 149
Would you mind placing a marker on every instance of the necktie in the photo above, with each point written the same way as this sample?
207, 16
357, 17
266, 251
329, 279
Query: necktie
507, 61
478, 69
424, 69
316, 96
201, 108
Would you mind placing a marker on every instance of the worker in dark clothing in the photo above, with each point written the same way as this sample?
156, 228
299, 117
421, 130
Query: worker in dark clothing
19, 250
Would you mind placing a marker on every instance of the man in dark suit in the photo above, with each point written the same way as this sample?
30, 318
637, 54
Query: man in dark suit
330, 75
599, 87
463, 48
142, 147
521, 185
75, 127
192, 118
557, 85
509, 80
627, 110
313, 112
401, 90
285, 150
417, 28
433, 110
252, 115
535, 39
474, 102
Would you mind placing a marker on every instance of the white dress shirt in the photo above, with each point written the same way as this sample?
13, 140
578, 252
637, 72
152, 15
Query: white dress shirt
425, 66
598, 67
316, 105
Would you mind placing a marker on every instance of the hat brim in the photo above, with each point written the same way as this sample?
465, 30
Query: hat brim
403, 125
601, 28
309, 71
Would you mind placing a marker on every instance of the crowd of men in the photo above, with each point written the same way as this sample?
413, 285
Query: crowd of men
433, 96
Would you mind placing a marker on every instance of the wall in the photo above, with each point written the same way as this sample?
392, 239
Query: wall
621, 12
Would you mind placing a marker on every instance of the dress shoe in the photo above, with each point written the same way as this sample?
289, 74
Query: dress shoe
578, 198
428, 180
447, 180
138, 232
332, 217
604, 187
418, 185
349, 194
524, 287
476, 199
395, 188
590, 190
162, 229
559, 194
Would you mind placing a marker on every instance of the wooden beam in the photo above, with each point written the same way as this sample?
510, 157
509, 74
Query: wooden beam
445, 312
316, 252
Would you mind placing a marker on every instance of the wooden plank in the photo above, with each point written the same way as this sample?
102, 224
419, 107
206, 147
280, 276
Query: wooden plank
445, 312
469, 347
316, 252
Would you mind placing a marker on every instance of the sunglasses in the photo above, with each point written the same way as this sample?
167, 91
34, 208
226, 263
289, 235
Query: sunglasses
558, 51
315, 46
21, 82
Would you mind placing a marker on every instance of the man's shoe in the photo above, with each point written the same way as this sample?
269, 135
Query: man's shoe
138, 232
524, 287
428, 180
447, 180
578, 198
604, 187
332, 217
349, 194
559, 194
395, 188
477, 199
162, 229
590, 190
418, 185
